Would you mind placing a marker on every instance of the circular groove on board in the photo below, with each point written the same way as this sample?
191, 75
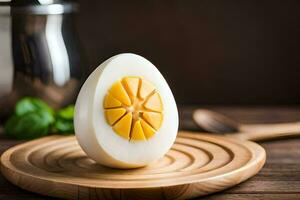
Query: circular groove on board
197, 164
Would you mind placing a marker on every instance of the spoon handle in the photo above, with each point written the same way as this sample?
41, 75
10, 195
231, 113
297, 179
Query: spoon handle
256, 132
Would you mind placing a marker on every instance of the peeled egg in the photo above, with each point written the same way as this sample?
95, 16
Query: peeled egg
125, 113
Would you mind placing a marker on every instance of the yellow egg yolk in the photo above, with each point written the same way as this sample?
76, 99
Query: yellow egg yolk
133, 108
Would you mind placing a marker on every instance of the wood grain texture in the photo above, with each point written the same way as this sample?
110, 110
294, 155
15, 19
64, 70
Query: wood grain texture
283, 163
198, 164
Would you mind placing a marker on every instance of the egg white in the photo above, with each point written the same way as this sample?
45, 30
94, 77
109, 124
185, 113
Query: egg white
96, 136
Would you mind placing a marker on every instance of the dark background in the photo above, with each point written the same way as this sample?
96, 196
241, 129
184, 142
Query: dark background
210, 51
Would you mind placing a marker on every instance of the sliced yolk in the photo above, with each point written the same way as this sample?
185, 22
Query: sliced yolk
118, 91
112, 115
148, 130
137, 132
111, 102
154, 103
146, 89
154, 119
133, 108
123, 126
132, 85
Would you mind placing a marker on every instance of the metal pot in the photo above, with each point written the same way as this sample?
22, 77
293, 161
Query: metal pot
39, 52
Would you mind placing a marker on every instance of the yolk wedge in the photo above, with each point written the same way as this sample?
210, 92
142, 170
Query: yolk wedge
123, 126
148, 130
154, 103
154, 119
111, 102
118, 91
137, 132
132, 85
112, 115
146, 89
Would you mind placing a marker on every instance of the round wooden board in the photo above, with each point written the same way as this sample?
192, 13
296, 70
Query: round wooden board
197, 164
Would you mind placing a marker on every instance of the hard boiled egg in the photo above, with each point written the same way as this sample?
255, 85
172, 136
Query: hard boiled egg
125, 113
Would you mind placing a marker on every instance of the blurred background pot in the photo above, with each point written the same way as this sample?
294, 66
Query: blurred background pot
40, 54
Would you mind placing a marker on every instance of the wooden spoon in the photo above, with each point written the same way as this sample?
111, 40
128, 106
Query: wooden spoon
217, 123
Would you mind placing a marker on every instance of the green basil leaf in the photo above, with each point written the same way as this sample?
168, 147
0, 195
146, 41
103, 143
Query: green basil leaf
29, 125
66, 113
63, 126
30, 104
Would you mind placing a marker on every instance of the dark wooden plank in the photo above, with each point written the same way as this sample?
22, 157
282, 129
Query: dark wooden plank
279, 179
252, 197
23, 197
9, 191
263, 186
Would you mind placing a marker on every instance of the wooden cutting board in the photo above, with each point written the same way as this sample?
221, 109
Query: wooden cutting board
197, 164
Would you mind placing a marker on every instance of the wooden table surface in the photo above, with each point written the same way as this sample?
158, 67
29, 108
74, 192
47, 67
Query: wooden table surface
279, 178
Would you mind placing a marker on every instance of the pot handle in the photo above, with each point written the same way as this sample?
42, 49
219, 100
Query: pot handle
6, 59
